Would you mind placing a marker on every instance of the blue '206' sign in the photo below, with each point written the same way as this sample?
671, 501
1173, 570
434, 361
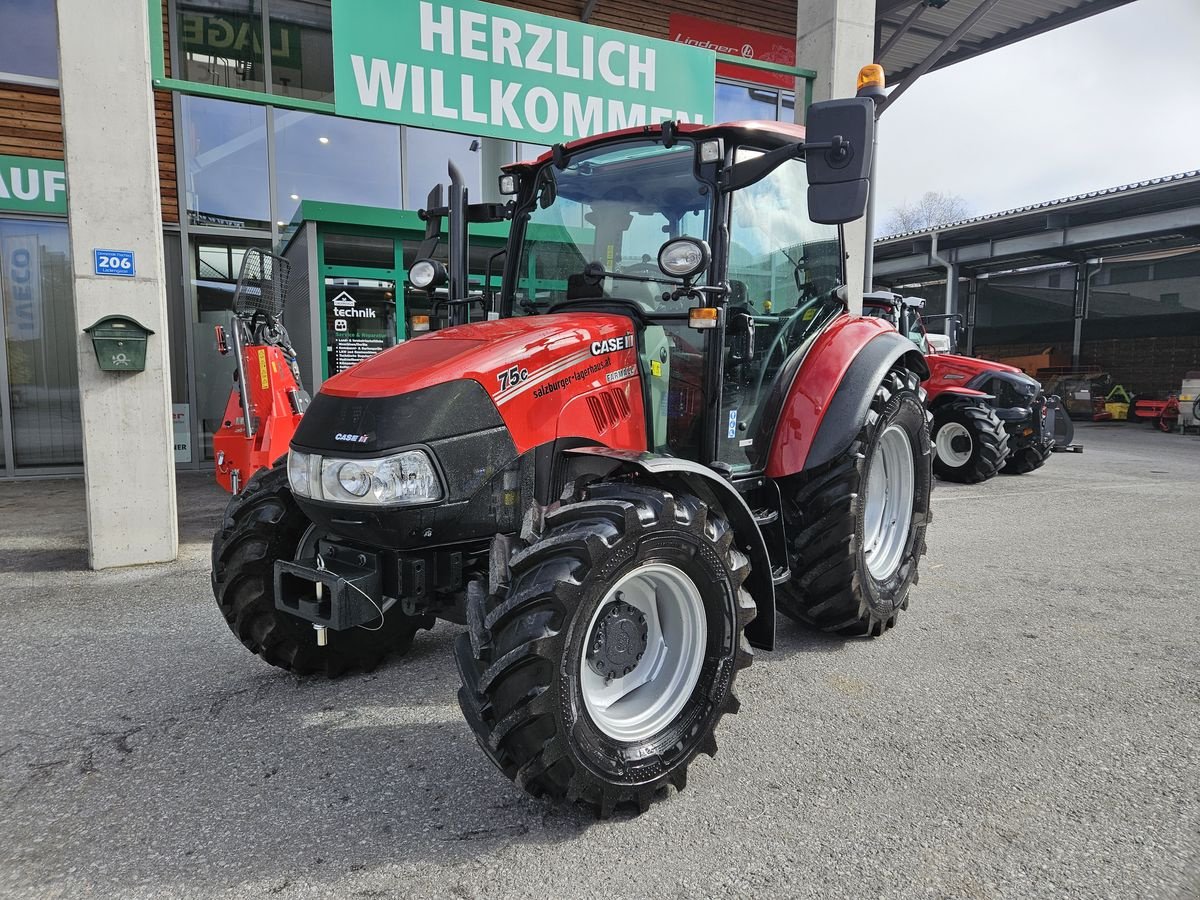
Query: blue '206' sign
114, 262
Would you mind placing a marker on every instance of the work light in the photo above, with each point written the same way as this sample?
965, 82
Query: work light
684, 257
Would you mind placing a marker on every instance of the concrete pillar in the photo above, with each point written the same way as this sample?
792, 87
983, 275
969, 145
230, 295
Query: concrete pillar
836, 38
113, 204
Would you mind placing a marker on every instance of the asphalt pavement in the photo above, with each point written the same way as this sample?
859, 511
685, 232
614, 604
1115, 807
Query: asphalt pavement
1030, 729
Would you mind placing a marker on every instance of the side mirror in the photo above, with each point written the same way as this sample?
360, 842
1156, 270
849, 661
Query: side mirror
839, 177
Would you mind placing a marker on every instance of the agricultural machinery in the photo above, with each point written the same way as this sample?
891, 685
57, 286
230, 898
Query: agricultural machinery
267, 401
987, 417
667, 428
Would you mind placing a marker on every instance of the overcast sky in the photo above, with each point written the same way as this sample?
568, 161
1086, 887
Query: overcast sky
1106, 101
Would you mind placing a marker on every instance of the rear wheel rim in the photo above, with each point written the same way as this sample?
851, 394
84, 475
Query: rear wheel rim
949, 435
891, 485
640, 704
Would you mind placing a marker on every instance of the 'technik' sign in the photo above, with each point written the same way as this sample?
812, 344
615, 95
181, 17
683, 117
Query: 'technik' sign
494, 71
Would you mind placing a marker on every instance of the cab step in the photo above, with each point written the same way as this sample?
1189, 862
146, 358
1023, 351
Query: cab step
781, 575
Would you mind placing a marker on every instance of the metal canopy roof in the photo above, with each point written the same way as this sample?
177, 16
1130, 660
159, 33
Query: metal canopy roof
1162, 213
1006, 22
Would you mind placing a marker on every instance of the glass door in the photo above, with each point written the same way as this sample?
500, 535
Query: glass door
40, 424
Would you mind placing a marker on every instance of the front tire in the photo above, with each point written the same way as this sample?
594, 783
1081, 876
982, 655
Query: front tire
263, 524
565, 680
859, 520
970, 443
1026, 460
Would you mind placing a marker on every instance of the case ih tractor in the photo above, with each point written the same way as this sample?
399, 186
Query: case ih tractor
987, 417
668, 427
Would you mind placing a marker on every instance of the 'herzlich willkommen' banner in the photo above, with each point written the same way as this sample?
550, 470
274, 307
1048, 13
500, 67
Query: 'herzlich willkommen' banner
494, 71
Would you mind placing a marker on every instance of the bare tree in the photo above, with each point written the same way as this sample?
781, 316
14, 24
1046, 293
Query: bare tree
934, 208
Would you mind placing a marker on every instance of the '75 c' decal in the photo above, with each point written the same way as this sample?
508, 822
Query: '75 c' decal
512, 377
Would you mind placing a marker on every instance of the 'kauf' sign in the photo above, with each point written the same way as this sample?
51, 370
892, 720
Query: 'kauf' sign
494, 71
33, 185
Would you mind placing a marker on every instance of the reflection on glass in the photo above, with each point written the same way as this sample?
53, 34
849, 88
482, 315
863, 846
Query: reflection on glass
221, 43
301, 49
427, 152
39, 335
737, 102
225, 163
360, 320
28, 38
336, 160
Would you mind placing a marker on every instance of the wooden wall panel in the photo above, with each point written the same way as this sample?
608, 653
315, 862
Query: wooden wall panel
30, 122
164, 124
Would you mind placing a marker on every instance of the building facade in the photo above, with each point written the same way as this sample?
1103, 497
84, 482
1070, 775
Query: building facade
252, 154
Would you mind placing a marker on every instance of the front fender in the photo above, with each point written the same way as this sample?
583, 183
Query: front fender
831, 392
681, 475
959, 395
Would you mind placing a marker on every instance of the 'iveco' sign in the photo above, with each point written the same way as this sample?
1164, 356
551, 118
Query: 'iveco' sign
494, 71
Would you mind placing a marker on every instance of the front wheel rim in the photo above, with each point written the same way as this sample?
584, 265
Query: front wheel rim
639, 704
953, 443
891, 487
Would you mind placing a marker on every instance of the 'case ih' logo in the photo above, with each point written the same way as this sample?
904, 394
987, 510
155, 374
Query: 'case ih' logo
612, 345
352, 438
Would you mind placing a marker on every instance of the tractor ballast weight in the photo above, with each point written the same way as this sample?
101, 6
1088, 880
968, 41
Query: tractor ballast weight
615, 479
266, 401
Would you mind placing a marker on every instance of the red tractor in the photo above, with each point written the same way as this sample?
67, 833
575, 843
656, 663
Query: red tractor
668, 426
988, 417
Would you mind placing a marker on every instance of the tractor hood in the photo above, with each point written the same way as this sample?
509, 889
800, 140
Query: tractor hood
521, 373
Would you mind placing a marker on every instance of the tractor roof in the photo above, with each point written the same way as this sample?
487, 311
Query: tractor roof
766, 133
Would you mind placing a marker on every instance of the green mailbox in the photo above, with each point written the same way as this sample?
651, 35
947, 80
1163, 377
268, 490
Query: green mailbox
120, 343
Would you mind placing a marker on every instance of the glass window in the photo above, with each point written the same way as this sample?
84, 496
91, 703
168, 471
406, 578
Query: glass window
221, 43
360, 251
737, 102
39, 342
28, 39
215, 265
225, 163
782, 272
301, 49
336, 160
616, 207
426, 153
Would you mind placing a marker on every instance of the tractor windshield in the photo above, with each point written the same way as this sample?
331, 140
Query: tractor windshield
616, 207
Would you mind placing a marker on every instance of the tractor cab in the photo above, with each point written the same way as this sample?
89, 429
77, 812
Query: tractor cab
698, 236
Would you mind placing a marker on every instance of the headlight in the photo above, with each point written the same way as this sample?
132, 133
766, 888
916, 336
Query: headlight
396, 480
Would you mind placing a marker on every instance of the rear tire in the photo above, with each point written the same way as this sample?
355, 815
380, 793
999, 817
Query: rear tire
263, 524
970, 443
534, 664
836, 584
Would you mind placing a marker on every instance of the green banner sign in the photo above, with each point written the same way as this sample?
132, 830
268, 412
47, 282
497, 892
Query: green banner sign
33, 185
494, 71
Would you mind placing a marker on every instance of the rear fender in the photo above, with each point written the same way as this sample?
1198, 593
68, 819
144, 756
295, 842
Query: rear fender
832, 391
685, 476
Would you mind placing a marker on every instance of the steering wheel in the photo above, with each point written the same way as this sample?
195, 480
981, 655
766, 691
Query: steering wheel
780, 341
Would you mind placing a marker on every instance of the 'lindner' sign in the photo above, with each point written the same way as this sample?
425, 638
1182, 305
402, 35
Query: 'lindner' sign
495, 71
